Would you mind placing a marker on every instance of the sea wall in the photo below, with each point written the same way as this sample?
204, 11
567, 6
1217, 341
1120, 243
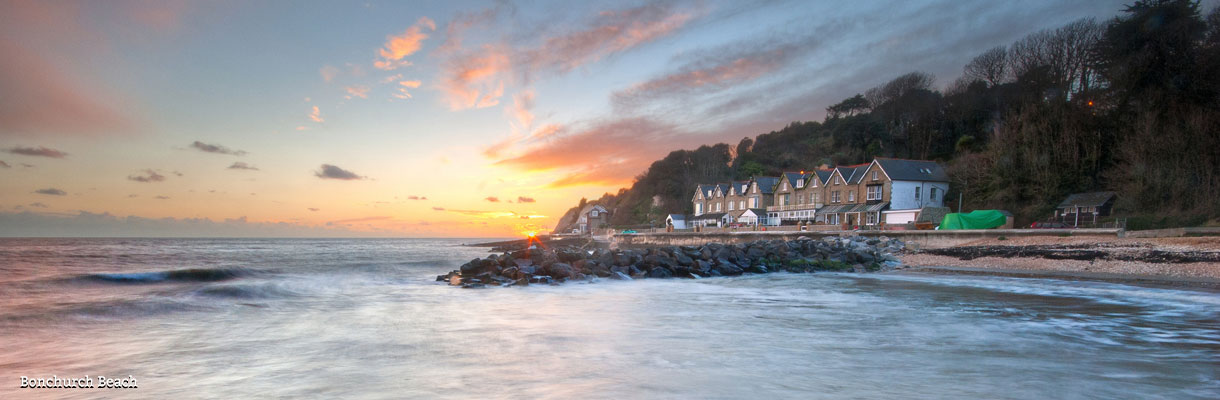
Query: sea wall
920, 239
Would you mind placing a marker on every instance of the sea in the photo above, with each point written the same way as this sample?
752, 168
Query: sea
366, 319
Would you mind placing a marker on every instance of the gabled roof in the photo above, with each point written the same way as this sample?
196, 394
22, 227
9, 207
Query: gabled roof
741, 187
709, 216
823, 175
590, 207
677, 217
766, 184
913, 170
757, 212
855, 173
724, 188
1094, 199
793, 177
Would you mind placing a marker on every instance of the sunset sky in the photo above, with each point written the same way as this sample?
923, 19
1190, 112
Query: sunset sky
467, 119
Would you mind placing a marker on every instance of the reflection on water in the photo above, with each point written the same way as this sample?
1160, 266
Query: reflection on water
362, 319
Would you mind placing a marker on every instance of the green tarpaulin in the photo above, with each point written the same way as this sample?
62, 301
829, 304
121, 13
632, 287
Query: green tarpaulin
977, 219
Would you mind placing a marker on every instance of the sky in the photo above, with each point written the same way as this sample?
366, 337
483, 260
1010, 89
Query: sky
423, 118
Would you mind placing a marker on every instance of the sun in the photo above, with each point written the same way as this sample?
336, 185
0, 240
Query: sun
531, 234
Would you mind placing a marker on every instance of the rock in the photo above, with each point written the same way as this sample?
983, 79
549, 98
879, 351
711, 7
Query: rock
619, 276
560, 270
542, 279
660, 272
511, 272
757, 269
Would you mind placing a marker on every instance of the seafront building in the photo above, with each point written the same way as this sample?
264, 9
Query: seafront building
885, 191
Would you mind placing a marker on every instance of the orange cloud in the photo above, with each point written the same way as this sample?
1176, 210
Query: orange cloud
611, 32
402, 90
360, 91
520, 112
40, 98
475, 80
402, 45
329, 73
316, 115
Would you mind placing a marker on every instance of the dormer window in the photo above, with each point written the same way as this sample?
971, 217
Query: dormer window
800, 182
593, 214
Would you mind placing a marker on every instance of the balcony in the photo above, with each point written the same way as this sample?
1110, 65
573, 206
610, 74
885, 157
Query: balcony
795, 207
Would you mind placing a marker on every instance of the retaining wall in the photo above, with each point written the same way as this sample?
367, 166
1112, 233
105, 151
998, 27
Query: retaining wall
921, 239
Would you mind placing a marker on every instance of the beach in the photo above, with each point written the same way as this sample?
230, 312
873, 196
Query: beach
1186, 260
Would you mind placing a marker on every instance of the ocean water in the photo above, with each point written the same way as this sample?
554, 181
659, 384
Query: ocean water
255, 318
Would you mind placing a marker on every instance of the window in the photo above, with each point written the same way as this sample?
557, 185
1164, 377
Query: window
731, 204
833, 219
800, 199
917, 190
741, 204
834, 196
785, 200
593, 214
872, 218
874, 192
816, 197
874, 175
718, 207
754, 202
932, 197
851, 196
754, 188
783, 186
698, 208
800, 182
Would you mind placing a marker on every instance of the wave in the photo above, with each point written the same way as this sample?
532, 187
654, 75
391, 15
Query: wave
265, 291
180, 275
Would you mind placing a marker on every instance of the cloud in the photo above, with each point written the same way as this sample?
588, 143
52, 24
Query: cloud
149, 176
402, 45
244, 166
521, 199
362, 219
38, 205
37, 152
475, 79
438, 208
328, 73
328, 171
87, 224
417, 197
51, 192
521, 111
403, 93
492, 199
215, 148
316, 115
5, 165
718, 70
312, 209
611, 32
40, 98
360, 91
161, 197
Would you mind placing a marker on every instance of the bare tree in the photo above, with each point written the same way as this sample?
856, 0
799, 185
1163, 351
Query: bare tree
1063, 52
898, 87
990, 67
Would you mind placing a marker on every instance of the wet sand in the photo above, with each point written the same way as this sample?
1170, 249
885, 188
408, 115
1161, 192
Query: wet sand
1190, 261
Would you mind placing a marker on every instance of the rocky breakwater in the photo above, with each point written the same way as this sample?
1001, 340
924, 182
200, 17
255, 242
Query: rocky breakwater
561, 264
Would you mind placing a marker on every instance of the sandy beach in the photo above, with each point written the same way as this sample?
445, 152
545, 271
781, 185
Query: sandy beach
1188, 260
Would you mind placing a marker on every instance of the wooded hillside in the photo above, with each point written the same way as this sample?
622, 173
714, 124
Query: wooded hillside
1130, 105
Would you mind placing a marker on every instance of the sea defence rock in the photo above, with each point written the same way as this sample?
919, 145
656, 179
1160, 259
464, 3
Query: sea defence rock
562, 264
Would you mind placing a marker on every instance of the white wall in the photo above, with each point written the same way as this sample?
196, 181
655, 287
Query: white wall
902, 196
898, 218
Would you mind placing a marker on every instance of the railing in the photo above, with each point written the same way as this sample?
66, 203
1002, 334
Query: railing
795, 207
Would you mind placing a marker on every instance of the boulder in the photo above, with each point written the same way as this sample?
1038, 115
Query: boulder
660, 272
619, 276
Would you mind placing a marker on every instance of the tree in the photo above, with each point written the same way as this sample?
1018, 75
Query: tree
990, 67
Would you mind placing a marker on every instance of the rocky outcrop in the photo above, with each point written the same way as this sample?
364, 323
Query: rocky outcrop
556, 265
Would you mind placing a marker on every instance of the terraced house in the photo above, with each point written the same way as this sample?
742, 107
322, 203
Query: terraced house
884, 191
